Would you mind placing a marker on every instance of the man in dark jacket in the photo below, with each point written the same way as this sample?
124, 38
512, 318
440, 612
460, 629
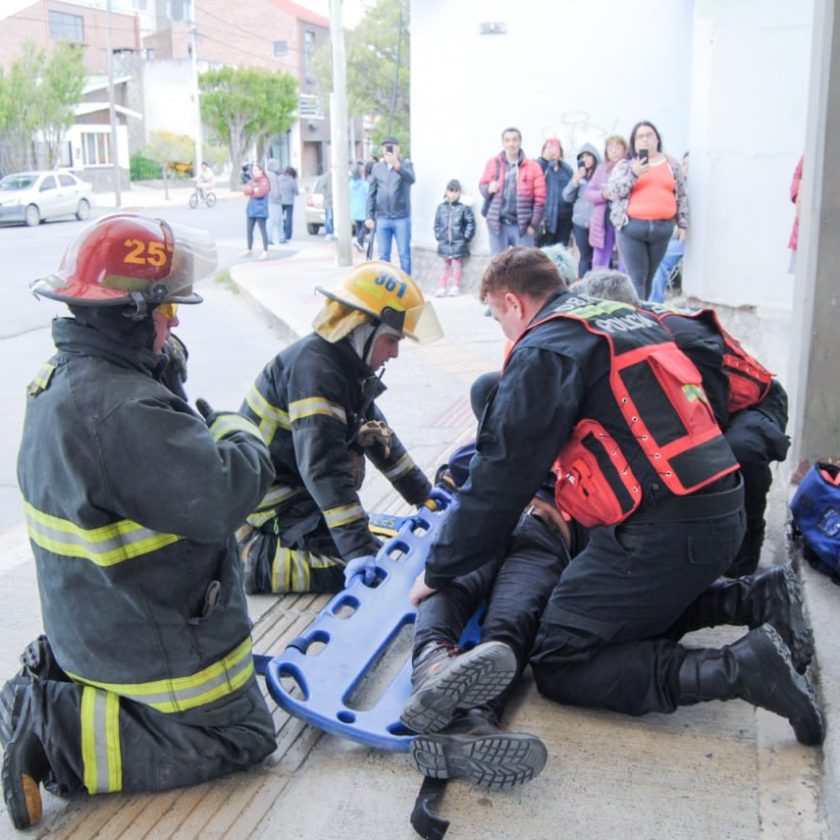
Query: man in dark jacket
513, 187
389, 203
145, 679
598, 389
314, 404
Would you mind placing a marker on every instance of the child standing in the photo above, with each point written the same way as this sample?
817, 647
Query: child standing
454, 228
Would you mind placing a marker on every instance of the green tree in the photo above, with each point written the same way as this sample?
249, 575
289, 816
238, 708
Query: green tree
59, 91
372, 49
37, 98
245, 107
168, 148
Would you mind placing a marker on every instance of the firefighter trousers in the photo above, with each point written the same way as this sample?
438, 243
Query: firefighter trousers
102, 743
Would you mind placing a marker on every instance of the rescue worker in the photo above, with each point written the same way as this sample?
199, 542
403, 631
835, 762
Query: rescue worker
145, 678
750, 405
600, 390
314, 404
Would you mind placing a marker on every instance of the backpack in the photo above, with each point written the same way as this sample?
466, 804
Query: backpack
816, 516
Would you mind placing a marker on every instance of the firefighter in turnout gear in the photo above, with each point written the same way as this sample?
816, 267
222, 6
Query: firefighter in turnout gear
145, 678
314, 404
600, 390
750, 405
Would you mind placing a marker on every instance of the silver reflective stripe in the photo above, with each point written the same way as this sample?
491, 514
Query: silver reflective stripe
100, 736
104, 546
343, 515
316, 405
404, 466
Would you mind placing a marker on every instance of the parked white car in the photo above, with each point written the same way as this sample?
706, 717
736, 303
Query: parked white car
32, 197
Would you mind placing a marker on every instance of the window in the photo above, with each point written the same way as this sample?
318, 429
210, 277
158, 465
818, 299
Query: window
308, 51
47, 184
96, 149
281, 49
67, 180
141, 5
67, 27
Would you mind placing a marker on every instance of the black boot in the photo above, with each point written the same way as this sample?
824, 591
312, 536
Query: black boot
25, 766
771, 597
445, 679
473, 747
757, 668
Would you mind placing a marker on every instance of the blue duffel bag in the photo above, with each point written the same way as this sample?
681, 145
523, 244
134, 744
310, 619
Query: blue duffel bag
816, 516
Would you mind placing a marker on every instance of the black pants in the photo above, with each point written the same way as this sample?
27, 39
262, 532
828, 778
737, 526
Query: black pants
250, 232
561, 234
584, 248
604, 637
516, 589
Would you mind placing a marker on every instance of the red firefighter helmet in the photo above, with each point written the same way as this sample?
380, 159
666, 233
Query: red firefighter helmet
124, 259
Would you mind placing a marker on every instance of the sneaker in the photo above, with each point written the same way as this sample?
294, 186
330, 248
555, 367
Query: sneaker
441, 292
455, 291
263, 255
444, 680
246, 253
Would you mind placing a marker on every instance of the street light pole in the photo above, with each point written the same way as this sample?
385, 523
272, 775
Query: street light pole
338, 138
198, 159
112, 112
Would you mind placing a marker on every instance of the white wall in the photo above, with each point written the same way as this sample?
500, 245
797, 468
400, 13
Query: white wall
167, 92
748, 113
577, 69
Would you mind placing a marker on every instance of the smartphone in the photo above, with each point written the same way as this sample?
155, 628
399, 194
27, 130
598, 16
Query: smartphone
389, 148
643, 155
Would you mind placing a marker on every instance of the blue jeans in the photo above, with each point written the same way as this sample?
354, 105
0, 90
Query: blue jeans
673, 254
508, 237
642, 244
274, 214
287, 220
328, 221
386, 230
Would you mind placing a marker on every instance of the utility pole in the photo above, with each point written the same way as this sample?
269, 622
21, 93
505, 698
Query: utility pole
338, 138
198, 157
112, 113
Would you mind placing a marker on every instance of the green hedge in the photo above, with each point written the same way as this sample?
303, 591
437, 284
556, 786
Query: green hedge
143, 169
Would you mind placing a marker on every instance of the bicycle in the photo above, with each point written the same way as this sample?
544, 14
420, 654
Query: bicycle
208, 197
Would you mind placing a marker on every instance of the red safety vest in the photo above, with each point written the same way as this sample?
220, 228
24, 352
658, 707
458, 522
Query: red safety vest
661, 398
749, 380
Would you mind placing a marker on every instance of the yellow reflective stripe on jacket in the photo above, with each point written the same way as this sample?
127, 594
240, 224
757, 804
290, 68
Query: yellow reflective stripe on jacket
104, 546
298, 409
178, 694
292, 567
343, 515
271, 417
101, 749
403, 467
41, 380
276, 495
226, 424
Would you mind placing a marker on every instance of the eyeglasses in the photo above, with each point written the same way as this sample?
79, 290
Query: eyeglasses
168, 310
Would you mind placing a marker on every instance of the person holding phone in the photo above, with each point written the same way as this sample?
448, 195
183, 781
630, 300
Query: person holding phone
575, 192
389, 203
648, 195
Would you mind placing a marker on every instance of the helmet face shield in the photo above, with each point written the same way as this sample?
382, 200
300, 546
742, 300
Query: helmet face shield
123, 258
422, 324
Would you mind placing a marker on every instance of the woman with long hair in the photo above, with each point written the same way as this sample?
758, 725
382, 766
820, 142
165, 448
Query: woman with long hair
647, 190
601, 230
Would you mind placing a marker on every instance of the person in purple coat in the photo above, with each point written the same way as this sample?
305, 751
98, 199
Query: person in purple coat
601, 230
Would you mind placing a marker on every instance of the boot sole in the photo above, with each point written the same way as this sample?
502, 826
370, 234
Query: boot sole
21, 792
809, 729
801, 642
492, 762
475, 678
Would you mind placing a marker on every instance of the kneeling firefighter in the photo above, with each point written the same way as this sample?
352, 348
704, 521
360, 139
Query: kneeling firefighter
314, 404
145, 678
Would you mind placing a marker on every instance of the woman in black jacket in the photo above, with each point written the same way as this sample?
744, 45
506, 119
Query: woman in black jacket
454, 228
557, 218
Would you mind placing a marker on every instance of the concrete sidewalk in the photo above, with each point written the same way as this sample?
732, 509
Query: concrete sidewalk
712, 770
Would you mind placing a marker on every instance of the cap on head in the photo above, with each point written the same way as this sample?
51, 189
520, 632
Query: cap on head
125, 259
386, 295
454, 184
